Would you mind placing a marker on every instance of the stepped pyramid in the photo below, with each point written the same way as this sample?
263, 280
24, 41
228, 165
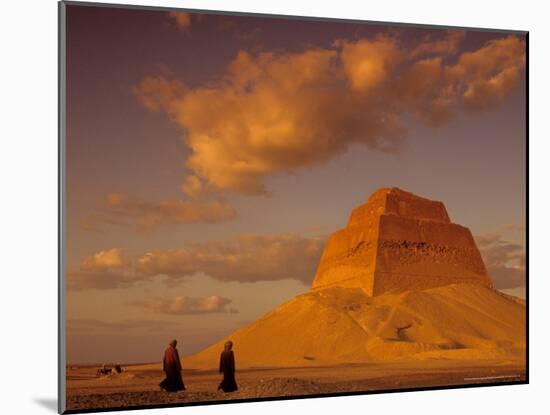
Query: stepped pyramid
398, 241
401, 281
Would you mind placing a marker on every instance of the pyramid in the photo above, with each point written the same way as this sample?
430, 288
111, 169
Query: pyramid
398, 241
401, 281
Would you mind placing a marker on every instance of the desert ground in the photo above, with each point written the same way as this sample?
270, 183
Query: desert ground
138, 384
453, 335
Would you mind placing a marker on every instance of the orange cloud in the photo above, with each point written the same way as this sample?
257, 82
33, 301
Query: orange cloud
124, 210
104, 260
187, 305
448, 45
275, 113
422, 91
248, 258
481, 79
157, 93
490, 73
182, 19
104, 270
193, 186
279, 112
368, 64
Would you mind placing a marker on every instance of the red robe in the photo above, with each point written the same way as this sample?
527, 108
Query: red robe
172, 368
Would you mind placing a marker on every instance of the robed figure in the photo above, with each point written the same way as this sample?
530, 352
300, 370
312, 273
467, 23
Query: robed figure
172, 368
227, 367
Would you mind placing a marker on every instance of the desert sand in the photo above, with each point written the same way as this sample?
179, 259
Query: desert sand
139, 387
442, 336
344, 325
401, 299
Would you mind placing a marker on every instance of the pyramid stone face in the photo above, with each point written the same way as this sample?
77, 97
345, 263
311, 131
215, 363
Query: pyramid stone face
398, 241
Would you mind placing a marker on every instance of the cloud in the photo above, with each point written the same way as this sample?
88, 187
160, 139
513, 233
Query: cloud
275, 112
125, 210
487, 75
505, 260
94, 326
157, 93
448, 45
187, 305
193, 186
182, 19
248, 258
105, 260
101, 280
105, 269
368, 64
482, 79
423, 91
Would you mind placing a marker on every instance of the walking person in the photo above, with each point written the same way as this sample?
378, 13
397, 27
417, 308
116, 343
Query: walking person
227, 367
172, 368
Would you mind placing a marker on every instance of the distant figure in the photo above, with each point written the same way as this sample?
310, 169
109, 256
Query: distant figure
172, 368
227, 367
118, 368
103, 370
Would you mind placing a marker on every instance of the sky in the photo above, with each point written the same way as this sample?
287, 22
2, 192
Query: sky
210, 156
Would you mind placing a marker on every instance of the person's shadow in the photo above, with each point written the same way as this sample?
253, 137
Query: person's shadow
48, 403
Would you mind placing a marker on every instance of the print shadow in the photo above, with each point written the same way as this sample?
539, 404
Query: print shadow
48, 403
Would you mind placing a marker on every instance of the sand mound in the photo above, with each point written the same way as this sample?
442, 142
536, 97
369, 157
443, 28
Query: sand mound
344, 325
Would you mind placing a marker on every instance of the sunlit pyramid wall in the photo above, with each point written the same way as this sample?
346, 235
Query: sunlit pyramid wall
398, 241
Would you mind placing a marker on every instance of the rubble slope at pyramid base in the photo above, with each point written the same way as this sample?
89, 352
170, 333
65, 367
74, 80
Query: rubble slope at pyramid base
344, 325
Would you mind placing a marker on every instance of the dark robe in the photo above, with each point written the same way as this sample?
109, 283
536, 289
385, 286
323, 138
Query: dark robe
172, 368
227, 367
